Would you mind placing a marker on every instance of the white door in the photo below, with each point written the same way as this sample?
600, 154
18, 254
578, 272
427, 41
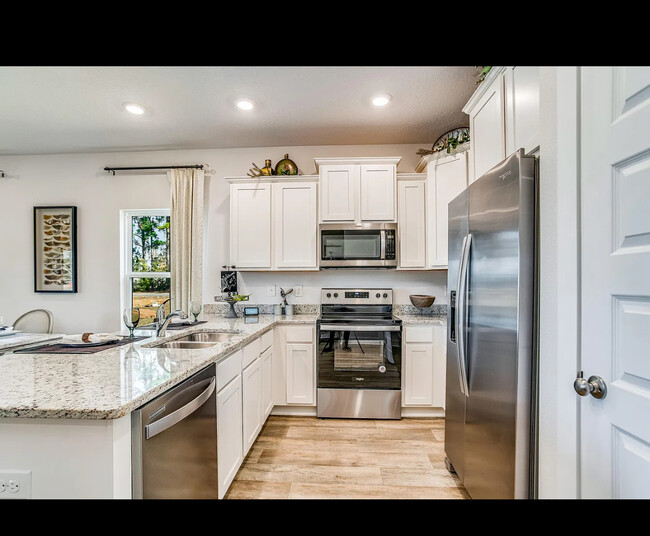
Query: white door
251, 378
229, 435
301, 388
418, 374
250, 225
487, 131
615, 191
267, 382
338, 193
412, 224
522, 108
377, 186
295, 225
450, 179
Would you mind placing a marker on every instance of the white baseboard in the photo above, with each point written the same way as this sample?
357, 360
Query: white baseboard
303, 411
423, 412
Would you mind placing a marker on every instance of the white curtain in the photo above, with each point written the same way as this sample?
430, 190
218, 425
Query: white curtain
186, 237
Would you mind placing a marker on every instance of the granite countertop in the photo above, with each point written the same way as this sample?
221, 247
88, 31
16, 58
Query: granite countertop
12, 342
112, 383
430, 320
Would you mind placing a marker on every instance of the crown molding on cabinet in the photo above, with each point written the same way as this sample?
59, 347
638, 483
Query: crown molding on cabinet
494, 73
412, 176
425, 160
272, 178
356, 160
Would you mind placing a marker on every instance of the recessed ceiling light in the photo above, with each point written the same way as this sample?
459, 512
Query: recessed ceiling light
133, 108
382, 99
245, 104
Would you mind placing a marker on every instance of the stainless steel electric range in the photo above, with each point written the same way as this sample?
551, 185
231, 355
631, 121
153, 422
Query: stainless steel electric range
359, 354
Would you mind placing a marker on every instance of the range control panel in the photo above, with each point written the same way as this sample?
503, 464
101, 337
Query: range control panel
357, 296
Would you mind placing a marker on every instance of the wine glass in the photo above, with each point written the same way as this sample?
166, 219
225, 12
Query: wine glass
195, 309
131, 317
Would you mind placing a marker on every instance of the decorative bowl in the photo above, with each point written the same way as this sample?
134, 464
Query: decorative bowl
421, 300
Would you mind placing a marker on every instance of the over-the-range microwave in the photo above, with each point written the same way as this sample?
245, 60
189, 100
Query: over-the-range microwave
350, 245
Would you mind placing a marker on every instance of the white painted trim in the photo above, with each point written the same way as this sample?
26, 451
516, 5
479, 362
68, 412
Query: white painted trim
411, 176
349, 161
494, 73
299, 411
272, 178
122, 488
422, 412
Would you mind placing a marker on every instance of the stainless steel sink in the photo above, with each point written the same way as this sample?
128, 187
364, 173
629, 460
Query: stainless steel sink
185, 345
207, 337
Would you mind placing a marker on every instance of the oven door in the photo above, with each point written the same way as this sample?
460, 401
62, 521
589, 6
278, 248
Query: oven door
359, 356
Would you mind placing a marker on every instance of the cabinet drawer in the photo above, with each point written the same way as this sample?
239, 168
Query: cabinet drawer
418, 334
251, 352
228, 369
299, 334
267, 340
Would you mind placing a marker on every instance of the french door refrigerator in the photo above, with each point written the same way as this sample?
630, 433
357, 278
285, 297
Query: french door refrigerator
491, 364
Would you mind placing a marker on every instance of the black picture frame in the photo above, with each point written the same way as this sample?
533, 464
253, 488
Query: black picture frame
55, 249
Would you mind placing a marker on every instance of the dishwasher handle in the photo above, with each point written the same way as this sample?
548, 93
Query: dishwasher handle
170, 420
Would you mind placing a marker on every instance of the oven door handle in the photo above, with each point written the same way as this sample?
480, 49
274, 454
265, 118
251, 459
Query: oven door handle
357, 327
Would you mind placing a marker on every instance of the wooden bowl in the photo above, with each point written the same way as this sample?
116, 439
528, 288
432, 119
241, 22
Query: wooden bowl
421, 300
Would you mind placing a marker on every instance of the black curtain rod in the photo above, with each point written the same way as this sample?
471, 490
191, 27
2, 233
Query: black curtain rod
114, 169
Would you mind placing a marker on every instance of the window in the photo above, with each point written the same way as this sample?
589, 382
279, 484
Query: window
146, 278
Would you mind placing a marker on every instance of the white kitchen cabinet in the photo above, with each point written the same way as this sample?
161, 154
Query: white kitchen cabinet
357, 190
229, 433
487, 124
251, 378
377, 184
300, 367
412, 223
424, 366
521, 108
447, 179
267, 382
295, 227
338, 190
250, 225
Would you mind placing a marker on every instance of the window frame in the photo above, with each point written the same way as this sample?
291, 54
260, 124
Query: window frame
126, 249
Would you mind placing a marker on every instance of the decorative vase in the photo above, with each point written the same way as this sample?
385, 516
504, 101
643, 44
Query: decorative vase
286, 166
231, 312
277, 309
268, 168
288, 309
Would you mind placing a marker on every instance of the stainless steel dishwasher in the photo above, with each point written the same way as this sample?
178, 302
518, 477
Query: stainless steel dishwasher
174, 442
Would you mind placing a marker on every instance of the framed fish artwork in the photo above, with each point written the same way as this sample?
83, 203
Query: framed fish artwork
55, 249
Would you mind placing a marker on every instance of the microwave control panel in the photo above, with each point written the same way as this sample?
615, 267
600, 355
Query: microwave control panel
390, 245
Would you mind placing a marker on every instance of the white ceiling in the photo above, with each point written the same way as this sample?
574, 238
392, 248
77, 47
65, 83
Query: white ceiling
79, 109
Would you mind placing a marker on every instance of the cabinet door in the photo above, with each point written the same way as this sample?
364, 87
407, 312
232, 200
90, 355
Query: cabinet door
301, 387
251, 378
439, 365
487, 130
295, 225
448, 180
377, 189
250, 225
267, 383
229, 433
418, 374
412, 224
522, 108
338, 193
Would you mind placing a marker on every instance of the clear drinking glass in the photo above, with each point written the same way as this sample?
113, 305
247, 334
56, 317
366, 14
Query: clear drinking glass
131, 317
195, 309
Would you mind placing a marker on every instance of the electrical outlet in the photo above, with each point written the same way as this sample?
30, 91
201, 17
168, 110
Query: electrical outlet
15, 484
270, 290
297, 290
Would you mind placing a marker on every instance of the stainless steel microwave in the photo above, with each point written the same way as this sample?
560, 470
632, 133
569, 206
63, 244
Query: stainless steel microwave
346, 245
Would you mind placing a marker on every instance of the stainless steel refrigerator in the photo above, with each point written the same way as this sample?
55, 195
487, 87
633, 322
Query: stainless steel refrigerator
491, 333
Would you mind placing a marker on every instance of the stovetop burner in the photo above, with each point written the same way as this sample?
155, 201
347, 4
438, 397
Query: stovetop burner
358, 306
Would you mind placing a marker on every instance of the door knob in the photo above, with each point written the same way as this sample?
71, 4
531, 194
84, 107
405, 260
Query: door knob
594, 386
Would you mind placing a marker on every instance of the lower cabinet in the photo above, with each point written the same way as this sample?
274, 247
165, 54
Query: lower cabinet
251, 379
424, 366
229, 433
267, 382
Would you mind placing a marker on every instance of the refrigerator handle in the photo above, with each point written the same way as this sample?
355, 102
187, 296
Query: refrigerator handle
461, 314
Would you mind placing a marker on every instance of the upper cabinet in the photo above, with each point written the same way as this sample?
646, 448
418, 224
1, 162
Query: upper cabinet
357, 190
412, 218
503, 117
274, 223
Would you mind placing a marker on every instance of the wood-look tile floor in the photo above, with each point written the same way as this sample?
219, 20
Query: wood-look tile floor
311, 458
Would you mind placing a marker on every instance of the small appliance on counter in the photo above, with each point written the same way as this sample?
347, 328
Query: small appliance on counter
359, 355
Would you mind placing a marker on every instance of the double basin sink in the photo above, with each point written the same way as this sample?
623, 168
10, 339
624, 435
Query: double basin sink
195, 341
